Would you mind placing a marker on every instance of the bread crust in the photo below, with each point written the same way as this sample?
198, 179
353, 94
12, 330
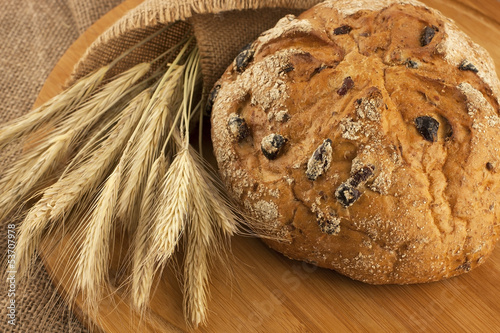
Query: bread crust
364, 181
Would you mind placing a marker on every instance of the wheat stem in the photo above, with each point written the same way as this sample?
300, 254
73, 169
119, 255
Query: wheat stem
192, 75
185, 41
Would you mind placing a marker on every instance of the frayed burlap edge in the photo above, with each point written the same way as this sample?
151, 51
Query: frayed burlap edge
213, 22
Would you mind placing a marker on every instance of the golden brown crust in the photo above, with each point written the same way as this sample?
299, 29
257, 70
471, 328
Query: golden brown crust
364, 182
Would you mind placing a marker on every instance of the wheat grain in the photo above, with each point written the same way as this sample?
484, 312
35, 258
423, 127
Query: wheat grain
143, 265
56, 108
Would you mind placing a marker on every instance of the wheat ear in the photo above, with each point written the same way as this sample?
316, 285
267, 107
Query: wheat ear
23, 165
142, 264
145, 145
196, 269
105, 99
212, 215
201, 239
188, 202
91, 172
53, 110
62, 196
93, 260
26, 186
173, 210
141, 152
19, 168
222, 210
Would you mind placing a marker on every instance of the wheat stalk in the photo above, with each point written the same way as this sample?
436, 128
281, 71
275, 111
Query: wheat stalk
62, 196
142, 264
207, 214
53, 110
190, 201
150, 255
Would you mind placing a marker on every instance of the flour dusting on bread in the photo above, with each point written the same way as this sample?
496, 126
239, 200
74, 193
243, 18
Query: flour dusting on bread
458, 47
347, 7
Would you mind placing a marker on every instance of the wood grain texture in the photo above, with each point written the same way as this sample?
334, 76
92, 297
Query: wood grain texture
259, 290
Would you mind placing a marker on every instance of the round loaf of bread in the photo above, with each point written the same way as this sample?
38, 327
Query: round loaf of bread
364, 136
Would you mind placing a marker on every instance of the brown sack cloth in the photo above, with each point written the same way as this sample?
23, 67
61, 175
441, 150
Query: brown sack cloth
221, 28
34, 36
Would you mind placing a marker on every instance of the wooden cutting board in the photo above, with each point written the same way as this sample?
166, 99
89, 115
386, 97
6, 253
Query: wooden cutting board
262, 291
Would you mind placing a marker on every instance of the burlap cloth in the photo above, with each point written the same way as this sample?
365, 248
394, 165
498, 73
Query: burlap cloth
35, 34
